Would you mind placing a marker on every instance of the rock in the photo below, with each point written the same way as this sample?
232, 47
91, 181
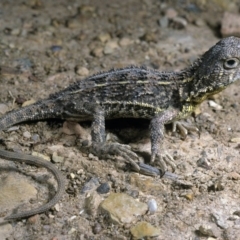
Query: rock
145, 184
103, 188
6, 231
3, 108
144, 230
27, 134
178, 23
37, 154
122, 208
149, 37
90, 185
82, 71
97, 228
28, 102
72, 175
214, 105
171, 13
235, 140
199, 22
104, 37
15, 31
97, 52
233, 176
92, 203
110, 47
189, 196
35, 137
152, 206
163, 22
74, 128
56, 158
125, 42
219, 220
209, 230
73, 23
14, 191
230, 25
56, 48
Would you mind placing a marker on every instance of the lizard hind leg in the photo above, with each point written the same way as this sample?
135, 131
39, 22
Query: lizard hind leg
107, 150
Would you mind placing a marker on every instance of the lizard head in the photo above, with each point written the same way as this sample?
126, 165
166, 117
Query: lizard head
217, 68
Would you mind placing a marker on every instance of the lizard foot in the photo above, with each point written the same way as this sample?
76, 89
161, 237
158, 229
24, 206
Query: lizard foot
108, 150
163, 160
184, 128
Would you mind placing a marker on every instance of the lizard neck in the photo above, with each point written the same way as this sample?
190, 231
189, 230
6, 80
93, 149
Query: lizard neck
193, 88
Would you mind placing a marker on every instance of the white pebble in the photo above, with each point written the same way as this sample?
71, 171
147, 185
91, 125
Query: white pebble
152, 206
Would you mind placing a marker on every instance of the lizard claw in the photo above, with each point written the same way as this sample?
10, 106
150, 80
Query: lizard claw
184, 128
164, 160
149, 170
108, 150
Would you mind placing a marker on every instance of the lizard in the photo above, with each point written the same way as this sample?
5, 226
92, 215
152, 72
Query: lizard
131, 92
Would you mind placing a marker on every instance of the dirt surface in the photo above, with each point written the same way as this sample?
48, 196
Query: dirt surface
45, 46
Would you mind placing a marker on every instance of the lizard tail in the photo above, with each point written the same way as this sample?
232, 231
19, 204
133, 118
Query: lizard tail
33, 160
37, 111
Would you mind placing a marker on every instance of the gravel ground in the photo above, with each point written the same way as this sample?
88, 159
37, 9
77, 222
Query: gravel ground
45, 46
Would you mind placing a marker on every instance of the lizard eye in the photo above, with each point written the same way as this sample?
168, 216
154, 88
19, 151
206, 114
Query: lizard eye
231, 63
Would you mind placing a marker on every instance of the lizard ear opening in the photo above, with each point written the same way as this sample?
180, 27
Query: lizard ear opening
231, 63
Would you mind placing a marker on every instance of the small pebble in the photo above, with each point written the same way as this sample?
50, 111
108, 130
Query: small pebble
163, 22
55, 48
72, 230
237, 213
230, 25
37, 154
27, 134
57, 207
149, 37
72, 175
178, 23
97, 228
125, 42
56, 158
171, 13
82, 71
104, 37
14, 128
152, 206
199, 22
209, 230
3, 108
35, 137
235, 140
15, 31
144, 230
28, 102
33, 219
103, 188
97, 52
214, 105
90, 185
110, 47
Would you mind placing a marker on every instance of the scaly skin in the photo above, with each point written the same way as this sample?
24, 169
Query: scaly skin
133, 92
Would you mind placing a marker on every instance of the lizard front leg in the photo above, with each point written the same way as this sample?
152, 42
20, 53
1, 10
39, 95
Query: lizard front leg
157, 135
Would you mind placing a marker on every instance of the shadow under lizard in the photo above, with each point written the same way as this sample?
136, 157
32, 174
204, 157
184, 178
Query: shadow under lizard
132, 92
